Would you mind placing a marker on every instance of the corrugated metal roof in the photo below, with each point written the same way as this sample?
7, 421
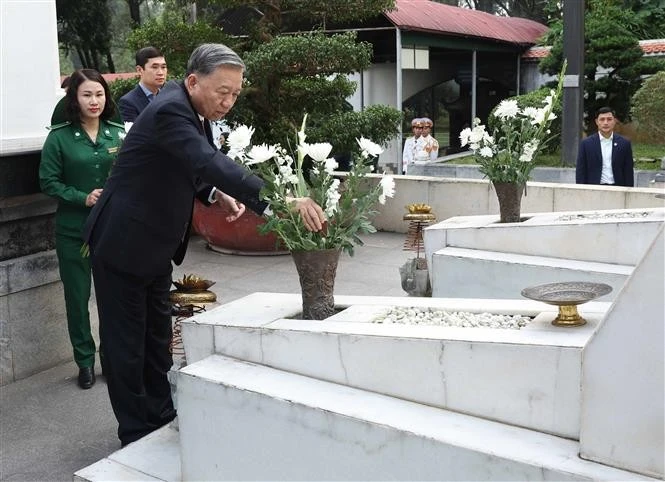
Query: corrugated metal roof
649, 47
432, 17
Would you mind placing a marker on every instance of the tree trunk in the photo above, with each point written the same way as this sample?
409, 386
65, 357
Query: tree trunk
135, 11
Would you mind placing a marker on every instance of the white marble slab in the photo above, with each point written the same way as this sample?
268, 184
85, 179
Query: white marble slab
471, 273
613, 240
241, 421
154, 457
623, 384
528, 377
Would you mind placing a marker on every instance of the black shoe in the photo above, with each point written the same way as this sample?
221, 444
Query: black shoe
86, 377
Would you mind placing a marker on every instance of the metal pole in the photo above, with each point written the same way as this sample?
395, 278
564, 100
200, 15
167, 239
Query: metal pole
573, 81
398, 100
519, 73
473, 86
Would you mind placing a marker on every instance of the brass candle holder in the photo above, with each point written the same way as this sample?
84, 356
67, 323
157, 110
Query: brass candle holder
567, 295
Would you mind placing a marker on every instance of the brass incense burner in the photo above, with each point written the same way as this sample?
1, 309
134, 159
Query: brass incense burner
192, 289
567, 296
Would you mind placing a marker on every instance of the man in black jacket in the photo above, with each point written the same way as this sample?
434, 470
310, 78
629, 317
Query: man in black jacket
141, 223
605, 157
151, 66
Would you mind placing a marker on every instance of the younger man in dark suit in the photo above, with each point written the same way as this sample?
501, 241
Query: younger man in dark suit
605, 158
151, 66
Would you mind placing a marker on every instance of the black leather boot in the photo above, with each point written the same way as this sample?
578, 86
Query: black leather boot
86, 377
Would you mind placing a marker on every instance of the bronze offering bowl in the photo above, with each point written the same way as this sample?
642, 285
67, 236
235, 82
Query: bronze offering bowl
191, 283
567, 295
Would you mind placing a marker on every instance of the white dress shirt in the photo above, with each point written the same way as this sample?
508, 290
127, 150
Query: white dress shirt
606, 175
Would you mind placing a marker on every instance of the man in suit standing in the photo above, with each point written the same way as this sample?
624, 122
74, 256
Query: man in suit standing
151, 66
141, 223
605, 158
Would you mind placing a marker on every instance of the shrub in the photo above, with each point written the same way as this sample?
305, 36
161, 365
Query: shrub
648, 108
120, 87
535, 99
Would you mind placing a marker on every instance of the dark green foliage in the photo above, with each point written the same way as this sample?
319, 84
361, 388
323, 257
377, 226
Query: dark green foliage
535, 99
376, 122
176, 39
649, 108
313, 10
610, 46
297, 74
121, 86
83, 26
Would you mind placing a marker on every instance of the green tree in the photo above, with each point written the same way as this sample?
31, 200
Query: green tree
649, 108
289, 75
613, 62
647, 19
543, 11
83, 26
175, 38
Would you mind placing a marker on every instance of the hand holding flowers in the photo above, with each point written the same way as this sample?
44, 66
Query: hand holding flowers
348, 203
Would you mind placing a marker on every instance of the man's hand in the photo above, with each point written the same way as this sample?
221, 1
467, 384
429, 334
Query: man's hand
91, 199
236, 208
310, 212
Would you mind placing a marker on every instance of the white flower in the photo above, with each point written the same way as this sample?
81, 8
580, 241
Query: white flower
529, 150
464, 136
240, 138
530, 112
387, 188
507, 109
260, 153
486, 151
477, 134
128, 125
301, 133
331, 165
368, 147
320, 151
332, 198
287, 174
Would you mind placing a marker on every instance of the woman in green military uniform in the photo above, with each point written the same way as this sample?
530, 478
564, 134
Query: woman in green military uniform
76, 160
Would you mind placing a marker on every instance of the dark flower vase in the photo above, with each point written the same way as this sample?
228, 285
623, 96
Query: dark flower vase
509, 195
317, 270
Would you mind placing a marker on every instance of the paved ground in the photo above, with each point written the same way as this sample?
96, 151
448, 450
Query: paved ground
49, 428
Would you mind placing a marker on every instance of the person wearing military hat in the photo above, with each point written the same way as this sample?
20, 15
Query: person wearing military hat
77, 157
412, 144
430, 144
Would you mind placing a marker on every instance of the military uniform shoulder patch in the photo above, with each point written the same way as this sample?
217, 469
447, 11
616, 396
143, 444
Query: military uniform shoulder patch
116, 124
58, 126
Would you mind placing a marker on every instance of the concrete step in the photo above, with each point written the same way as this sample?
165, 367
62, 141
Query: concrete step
528, 377
155, 457
477, 273
611, 236
244, 421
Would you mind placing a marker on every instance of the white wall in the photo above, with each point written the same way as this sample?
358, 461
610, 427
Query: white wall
29, 73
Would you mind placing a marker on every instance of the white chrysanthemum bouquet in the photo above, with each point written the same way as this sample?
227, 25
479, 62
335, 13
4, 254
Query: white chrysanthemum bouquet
507, 155
348, 201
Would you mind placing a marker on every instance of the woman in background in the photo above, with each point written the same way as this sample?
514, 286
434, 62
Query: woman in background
76, 159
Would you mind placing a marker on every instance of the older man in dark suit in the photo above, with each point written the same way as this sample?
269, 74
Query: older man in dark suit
141, 223
151, 66
605, 158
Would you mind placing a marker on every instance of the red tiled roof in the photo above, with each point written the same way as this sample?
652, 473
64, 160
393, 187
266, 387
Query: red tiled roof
111, 77
427, 16
649, 47
653, 47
